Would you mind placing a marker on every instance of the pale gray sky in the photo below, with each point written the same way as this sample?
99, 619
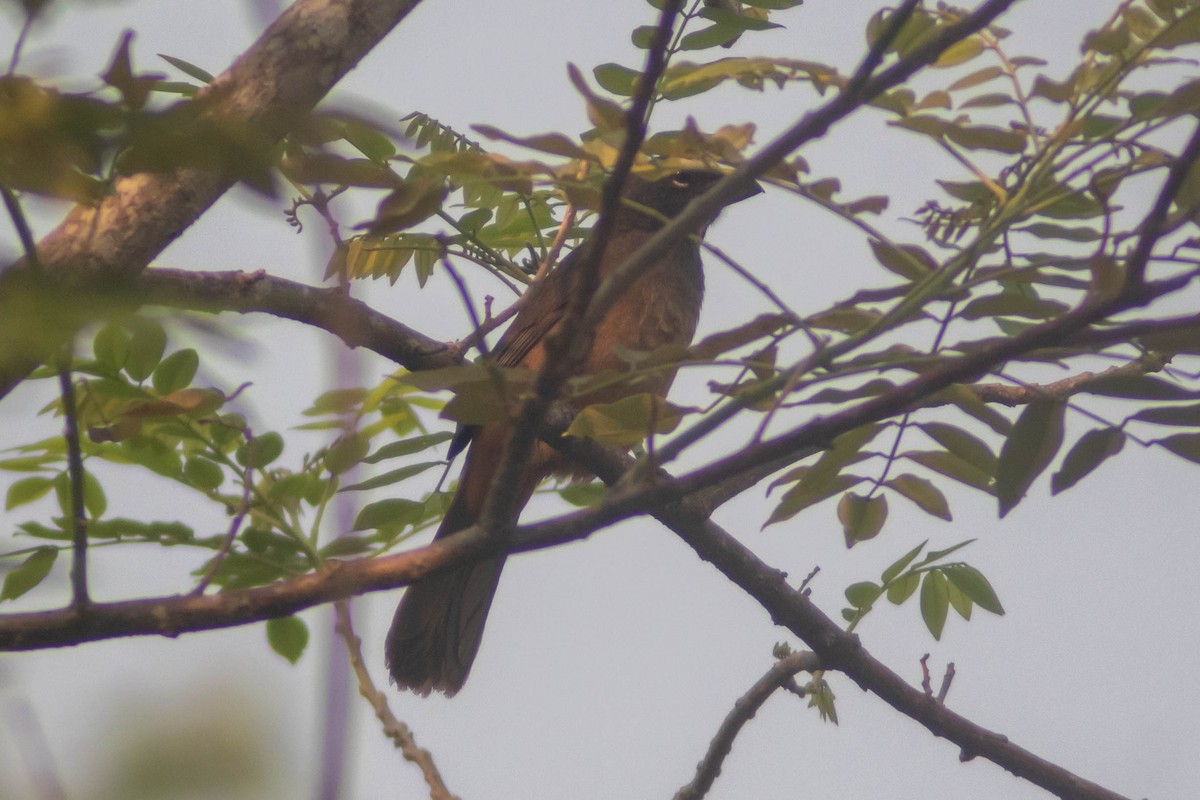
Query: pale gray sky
608, 664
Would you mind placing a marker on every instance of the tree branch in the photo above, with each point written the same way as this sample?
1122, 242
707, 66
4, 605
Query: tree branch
327, 308
709, 769
400, 734
296, 61
566, 347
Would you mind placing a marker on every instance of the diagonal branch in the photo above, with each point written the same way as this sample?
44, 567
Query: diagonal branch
778, 676
567, 347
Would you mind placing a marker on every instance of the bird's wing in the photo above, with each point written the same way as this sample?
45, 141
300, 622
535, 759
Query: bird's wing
544, 307
545, 304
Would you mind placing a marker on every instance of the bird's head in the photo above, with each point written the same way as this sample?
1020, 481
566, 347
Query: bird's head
670, 194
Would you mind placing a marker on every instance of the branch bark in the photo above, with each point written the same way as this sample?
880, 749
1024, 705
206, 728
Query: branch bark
296, 61
709, 769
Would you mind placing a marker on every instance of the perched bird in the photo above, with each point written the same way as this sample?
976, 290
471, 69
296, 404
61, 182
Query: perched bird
438, 626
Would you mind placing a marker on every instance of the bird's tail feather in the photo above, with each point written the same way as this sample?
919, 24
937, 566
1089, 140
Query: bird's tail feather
439, 624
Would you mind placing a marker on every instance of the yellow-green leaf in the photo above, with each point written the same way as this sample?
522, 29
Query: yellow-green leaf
627, 421
922, 492
29, 573
935, 602
862, 518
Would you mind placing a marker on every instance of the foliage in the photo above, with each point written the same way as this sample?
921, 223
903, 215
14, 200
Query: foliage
1048, 226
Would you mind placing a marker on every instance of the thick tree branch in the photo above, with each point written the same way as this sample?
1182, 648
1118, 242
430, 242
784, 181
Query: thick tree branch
271, 86
330, 309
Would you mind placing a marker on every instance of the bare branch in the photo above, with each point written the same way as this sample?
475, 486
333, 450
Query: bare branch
400, 734
79, 527
780, 673
331, 309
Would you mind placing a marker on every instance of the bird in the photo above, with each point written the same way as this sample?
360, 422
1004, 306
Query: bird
439, 623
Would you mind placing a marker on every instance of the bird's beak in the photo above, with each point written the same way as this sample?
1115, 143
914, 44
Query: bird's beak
749, 191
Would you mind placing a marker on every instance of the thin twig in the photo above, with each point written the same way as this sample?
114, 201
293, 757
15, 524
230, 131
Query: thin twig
235, 525
24, 232
947, 679
777, 677
393, 728
567, 347
79, 527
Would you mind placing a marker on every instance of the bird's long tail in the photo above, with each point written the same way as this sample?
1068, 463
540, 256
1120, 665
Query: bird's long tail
439, 624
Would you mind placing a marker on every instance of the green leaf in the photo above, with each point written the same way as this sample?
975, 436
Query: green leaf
935, 602
406, 447
962, 444
1139, 387
583, 494
960, 52
27, 490
773, 5
1092, 449
1184, 31
984, 137
191, 70
145, 348
288, 636
260, 451
1184, 445
604, 114
862, 518
176, 371
393, 513
897, 566
94, 501
954, 467
1029, 449
372, 143
810, 492
394, 476
903, 588
346, 452
974, 585
111, 347
922, 492
29, 573
1186, 416
1010, 304
617, 79
1048, 230
627, 421
908, 261
1107, 41
959, 601
643, 37
863, 594
976, 78
200, 473
1072, 205
743, 22
713, 36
